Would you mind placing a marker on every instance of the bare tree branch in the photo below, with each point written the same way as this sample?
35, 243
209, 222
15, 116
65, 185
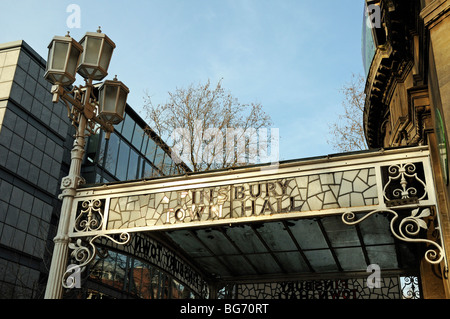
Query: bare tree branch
347, 133
212, 127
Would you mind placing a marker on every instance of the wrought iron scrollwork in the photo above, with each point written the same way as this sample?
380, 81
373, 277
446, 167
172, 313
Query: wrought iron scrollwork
90, 217
408, 228
403, 183
83, 253
410, 287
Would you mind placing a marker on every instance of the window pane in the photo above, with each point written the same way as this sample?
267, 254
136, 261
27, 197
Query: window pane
151, 148
168, 163
128, 128
148, 170
122, 162
137, 137
102, 150
111, 155
159, 158
132, 165
119, 126
144, 144
92, 146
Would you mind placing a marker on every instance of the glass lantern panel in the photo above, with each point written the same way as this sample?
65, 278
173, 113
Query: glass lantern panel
97, 74
59, 56
73, 61
121, 102
92, 50
106, 55
109, 103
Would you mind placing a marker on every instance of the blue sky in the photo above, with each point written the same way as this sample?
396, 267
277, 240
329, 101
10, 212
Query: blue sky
292, 56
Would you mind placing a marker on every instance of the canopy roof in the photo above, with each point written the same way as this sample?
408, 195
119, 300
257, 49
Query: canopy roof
270, 222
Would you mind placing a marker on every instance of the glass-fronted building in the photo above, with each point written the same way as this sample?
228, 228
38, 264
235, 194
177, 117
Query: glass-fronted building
132, 152
36, 137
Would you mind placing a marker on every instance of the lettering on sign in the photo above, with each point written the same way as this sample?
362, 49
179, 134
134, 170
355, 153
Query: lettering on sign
296, 194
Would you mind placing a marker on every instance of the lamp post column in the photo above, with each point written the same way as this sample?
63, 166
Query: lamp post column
69, 185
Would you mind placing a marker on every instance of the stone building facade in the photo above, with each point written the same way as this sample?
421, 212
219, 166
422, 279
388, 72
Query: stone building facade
408, 95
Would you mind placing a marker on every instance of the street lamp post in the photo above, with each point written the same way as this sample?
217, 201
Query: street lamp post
88, 112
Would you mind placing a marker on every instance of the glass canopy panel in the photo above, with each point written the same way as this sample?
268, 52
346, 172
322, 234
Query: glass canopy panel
246, 239
237, 265
213, 267
376, 230
292, 262
340, 234
384, 256
216, 241
276, 237
307, 233
264, 263
189, 243
321, 260
351, 259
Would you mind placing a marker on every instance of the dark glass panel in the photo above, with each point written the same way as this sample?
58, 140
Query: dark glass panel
159, 157
150, 151
132, 165
138, 137
111, 154
122, 162
148, 170
128, 128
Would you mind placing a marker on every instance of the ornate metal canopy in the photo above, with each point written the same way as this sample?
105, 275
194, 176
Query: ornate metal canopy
306, 217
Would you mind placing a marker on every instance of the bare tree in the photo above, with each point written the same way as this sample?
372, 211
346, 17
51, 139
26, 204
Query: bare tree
207, 128
347, 133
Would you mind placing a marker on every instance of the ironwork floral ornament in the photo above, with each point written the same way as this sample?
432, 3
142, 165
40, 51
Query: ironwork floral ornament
90, 217
404, 179
408, 228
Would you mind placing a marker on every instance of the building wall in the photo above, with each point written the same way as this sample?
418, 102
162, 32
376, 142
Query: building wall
407, 88
32, 136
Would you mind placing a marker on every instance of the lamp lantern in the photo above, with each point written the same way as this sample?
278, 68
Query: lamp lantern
63, 56
89, 111
112, 101
97, 53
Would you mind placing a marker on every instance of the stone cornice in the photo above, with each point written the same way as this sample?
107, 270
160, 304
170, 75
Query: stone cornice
435, 12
